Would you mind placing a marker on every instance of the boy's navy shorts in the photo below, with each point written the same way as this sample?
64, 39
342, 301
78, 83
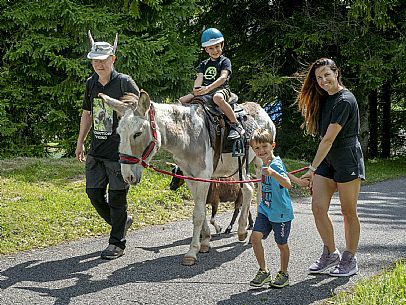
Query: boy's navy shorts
281, 230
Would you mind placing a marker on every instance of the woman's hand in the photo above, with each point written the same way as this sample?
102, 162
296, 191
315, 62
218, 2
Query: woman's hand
309, 178
303, 182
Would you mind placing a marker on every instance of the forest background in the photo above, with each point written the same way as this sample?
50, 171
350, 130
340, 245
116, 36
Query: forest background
43, 65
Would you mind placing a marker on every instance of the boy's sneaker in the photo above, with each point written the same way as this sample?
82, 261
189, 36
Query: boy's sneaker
347, 266
326, 261
261, 279
236, 131
112, 252
281, 280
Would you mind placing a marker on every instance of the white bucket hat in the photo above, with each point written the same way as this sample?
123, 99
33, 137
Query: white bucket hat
101, 50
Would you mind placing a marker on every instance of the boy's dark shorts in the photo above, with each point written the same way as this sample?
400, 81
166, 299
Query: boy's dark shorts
343, 164
100, 172
281, 230
224, 91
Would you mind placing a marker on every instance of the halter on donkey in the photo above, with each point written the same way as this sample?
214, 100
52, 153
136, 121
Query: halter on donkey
145, 127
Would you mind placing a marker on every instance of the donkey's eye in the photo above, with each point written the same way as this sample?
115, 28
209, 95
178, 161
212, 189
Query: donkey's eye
137, 134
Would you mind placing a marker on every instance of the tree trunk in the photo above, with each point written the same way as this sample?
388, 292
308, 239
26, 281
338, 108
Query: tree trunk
363, 107
386, 119
373, 124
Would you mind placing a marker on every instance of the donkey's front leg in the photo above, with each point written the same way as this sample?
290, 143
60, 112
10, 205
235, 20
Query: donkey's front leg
247, 192
200, 226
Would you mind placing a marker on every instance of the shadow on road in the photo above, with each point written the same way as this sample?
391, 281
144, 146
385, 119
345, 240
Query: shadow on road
162, 269
35, 271
302, 293
184, 242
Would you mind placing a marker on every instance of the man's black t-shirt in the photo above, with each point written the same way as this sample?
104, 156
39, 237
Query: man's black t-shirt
341, 108
104, 139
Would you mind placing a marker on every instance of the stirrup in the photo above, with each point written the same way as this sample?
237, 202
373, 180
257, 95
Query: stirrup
233, 135
238, 148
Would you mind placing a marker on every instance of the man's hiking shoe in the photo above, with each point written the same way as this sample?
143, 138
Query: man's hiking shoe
112, 252
281, 280
261, 279
347, 266
128, 224
326, 261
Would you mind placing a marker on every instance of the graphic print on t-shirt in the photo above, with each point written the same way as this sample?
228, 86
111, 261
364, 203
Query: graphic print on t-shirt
266, 190
102, 119
210, 73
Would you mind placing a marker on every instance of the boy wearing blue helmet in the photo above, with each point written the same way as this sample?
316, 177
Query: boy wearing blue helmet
213, 79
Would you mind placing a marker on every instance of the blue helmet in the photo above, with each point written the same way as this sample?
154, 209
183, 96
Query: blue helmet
211, 36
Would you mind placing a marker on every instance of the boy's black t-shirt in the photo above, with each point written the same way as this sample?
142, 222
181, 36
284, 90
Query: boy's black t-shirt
211, 70
341, 108
104, 138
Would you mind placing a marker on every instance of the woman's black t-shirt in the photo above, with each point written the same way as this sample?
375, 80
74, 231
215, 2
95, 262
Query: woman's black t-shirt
340, 108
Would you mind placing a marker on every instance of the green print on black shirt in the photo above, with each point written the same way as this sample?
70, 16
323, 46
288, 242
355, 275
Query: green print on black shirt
102, 119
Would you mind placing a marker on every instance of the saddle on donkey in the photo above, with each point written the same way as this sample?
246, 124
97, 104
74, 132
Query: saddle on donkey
219, 127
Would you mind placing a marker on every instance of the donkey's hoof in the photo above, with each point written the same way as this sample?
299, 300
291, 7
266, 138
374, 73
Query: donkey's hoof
227, 231
242, 237
188, 261
204, 249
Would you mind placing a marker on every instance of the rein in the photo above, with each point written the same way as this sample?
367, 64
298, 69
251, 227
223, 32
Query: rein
127, 159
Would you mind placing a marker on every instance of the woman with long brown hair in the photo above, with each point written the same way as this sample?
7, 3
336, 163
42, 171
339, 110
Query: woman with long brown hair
330, 110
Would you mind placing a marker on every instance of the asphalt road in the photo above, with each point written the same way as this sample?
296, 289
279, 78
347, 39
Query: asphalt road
151, 272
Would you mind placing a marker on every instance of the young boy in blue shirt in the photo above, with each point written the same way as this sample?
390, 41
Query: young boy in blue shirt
275, 212
213, 79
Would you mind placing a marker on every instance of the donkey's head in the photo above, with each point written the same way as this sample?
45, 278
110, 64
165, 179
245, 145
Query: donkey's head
139, 136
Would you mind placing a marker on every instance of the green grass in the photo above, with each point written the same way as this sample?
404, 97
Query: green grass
387, 288
43, 203
384, 169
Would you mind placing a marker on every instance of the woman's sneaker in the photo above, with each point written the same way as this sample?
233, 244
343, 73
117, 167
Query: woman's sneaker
261, 279
326, 261
281, 280
347, 266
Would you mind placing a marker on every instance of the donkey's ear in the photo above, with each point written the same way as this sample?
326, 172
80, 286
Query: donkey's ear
117, 105
143, 103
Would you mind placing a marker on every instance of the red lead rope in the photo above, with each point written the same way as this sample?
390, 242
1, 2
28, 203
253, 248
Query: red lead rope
218, 181
126, 159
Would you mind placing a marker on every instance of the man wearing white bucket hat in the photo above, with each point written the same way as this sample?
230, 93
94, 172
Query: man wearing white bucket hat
102, 166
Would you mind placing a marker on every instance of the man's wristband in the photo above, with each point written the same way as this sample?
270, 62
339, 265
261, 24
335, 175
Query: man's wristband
312, 168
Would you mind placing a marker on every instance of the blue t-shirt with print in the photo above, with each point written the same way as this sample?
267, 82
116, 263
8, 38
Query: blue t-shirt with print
275, 202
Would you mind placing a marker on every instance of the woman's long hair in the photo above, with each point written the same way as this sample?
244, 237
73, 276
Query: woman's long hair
311, 96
